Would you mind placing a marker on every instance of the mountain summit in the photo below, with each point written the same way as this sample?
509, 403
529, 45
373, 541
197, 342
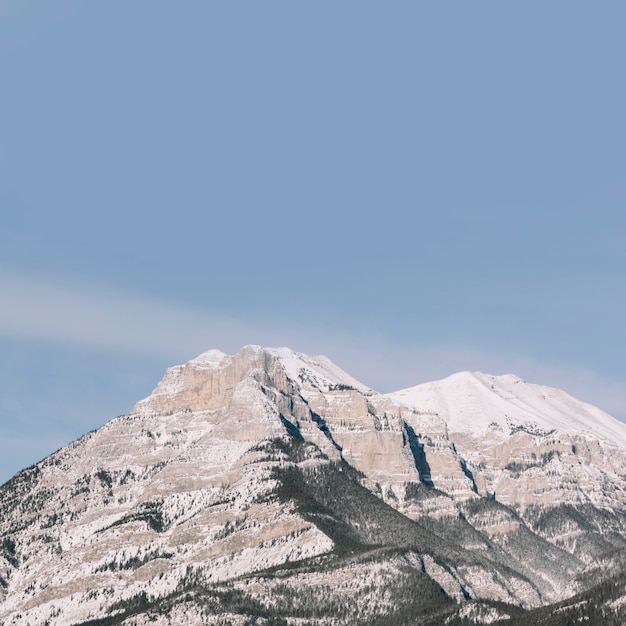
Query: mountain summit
271, 487
477, 402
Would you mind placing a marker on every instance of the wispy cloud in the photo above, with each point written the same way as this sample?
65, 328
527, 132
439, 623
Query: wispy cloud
97, 317
111, 320
105, 319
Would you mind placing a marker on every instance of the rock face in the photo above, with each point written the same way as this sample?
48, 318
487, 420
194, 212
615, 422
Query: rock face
273, 485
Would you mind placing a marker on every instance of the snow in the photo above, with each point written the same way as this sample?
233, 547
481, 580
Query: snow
322, 369
472, 402
210, 359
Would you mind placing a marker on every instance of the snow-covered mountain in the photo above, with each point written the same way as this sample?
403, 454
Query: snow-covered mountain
272, 487
477, 403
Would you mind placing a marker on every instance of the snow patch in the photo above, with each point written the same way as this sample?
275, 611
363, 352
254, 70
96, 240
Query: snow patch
319, 371
210, 359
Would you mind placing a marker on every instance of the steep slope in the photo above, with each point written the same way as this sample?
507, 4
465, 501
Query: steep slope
270, 484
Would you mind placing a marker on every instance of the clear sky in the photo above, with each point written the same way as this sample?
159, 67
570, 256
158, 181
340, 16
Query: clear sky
411, 188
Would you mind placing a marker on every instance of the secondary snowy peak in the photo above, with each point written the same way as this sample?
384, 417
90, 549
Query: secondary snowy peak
474, 402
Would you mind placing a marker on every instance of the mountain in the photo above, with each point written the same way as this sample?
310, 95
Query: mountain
270, 487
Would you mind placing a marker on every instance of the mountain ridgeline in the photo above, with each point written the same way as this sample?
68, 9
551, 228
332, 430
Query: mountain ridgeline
270, 487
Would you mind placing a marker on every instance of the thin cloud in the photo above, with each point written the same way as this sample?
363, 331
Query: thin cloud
110, 320
117, 321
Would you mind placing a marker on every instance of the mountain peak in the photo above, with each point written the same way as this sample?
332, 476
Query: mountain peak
476, 377
210, 358
205, 381
475, 402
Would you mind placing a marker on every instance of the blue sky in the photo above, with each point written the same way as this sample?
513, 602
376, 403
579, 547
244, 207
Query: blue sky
411, 188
